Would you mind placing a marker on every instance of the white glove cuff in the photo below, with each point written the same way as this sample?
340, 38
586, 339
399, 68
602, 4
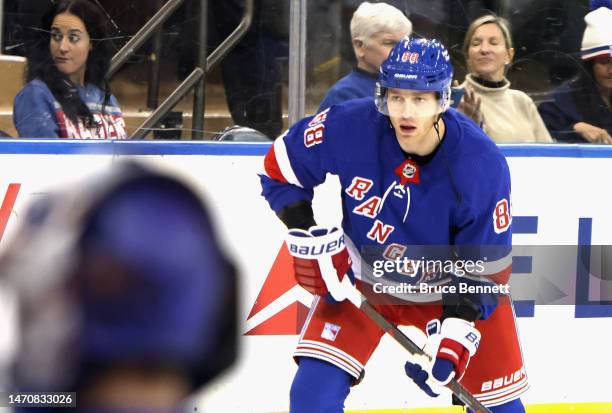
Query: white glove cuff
314, 247
463, 332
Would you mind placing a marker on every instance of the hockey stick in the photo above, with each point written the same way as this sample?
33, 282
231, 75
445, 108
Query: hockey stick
457, 388
346, 290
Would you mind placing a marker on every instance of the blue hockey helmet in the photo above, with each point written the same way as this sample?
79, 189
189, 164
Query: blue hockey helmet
416, 64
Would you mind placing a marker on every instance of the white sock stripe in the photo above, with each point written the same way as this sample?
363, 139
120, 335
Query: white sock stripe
282, 158
331, 349
327, 358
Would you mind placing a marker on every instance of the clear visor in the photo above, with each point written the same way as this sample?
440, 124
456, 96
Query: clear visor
409, 104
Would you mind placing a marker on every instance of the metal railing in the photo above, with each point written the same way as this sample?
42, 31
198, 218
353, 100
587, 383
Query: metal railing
197, 78
297, 60
1, 26
142, 36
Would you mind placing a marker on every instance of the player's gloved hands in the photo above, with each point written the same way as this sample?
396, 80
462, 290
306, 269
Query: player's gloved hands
459, 340
450, 344
320, 260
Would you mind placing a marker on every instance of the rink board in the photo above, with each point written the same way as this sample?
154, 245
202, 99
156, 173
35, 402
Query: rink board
555, 189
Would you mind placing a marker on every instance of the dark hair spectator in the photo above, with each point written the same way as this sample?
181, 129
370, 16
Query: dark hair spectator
375, 29
67, 94
579, 111
505, 114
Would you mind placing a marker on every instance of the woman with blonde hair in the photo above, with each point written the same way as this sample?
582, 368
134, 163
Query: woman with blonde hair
506, 115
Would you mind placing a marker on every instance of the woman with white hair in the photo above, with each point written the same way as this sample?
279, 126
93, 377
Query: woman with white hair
375, 29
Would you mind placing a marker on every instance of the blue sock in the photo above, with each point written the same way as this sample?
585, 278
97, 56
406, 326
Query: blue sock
319, 386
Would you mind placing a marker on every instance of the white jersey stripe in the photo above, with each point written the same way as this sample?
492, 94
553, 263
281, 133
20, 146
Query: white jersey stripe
515, 394
313, 307
282, 158
350, 359
494, 394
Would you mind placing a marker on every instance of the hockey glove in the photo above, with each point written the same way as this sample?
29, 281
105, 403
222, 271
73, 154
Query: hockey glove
421, 378
450, 344
321, 261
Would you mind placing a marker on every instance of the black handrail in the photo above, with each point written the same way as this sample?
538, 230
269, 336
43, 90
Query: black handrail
167, 105
192, 80
199, 90
224, 48
142, 36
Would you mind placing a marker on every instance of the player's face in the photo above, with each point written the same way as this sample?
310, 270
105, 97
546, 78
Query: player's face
488, 53
372, 52
70, 46
602, 70
412, 115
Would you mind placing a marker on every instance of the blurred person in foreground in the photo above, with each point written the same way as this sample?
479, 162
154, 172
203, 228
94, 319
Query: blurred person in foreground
125, 296
375, 29
67, 94
506, 115
579, 111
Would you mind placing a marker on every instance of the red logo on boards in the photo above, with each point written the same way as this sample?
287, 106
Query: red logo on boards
7, 206
281, 291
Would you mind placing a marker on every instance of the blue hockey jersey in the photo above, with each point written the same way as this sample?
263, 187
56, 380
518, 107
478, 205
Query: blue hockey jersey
357, 84
459, 195
36, 114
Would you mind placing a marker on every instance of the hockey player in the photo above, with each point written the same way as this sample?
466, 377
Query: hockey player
413, 172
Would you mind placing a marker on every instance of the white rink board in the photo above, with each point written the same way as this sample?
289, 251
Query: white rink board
562, 353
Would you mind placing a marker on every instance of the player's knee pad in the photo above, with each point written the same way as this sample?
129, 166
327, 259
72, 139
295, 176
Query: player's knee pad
514, 406
319, 386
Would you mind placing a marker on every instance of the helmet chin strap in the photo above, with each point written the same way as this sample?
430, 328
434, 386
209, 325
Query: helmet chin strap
436, 126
